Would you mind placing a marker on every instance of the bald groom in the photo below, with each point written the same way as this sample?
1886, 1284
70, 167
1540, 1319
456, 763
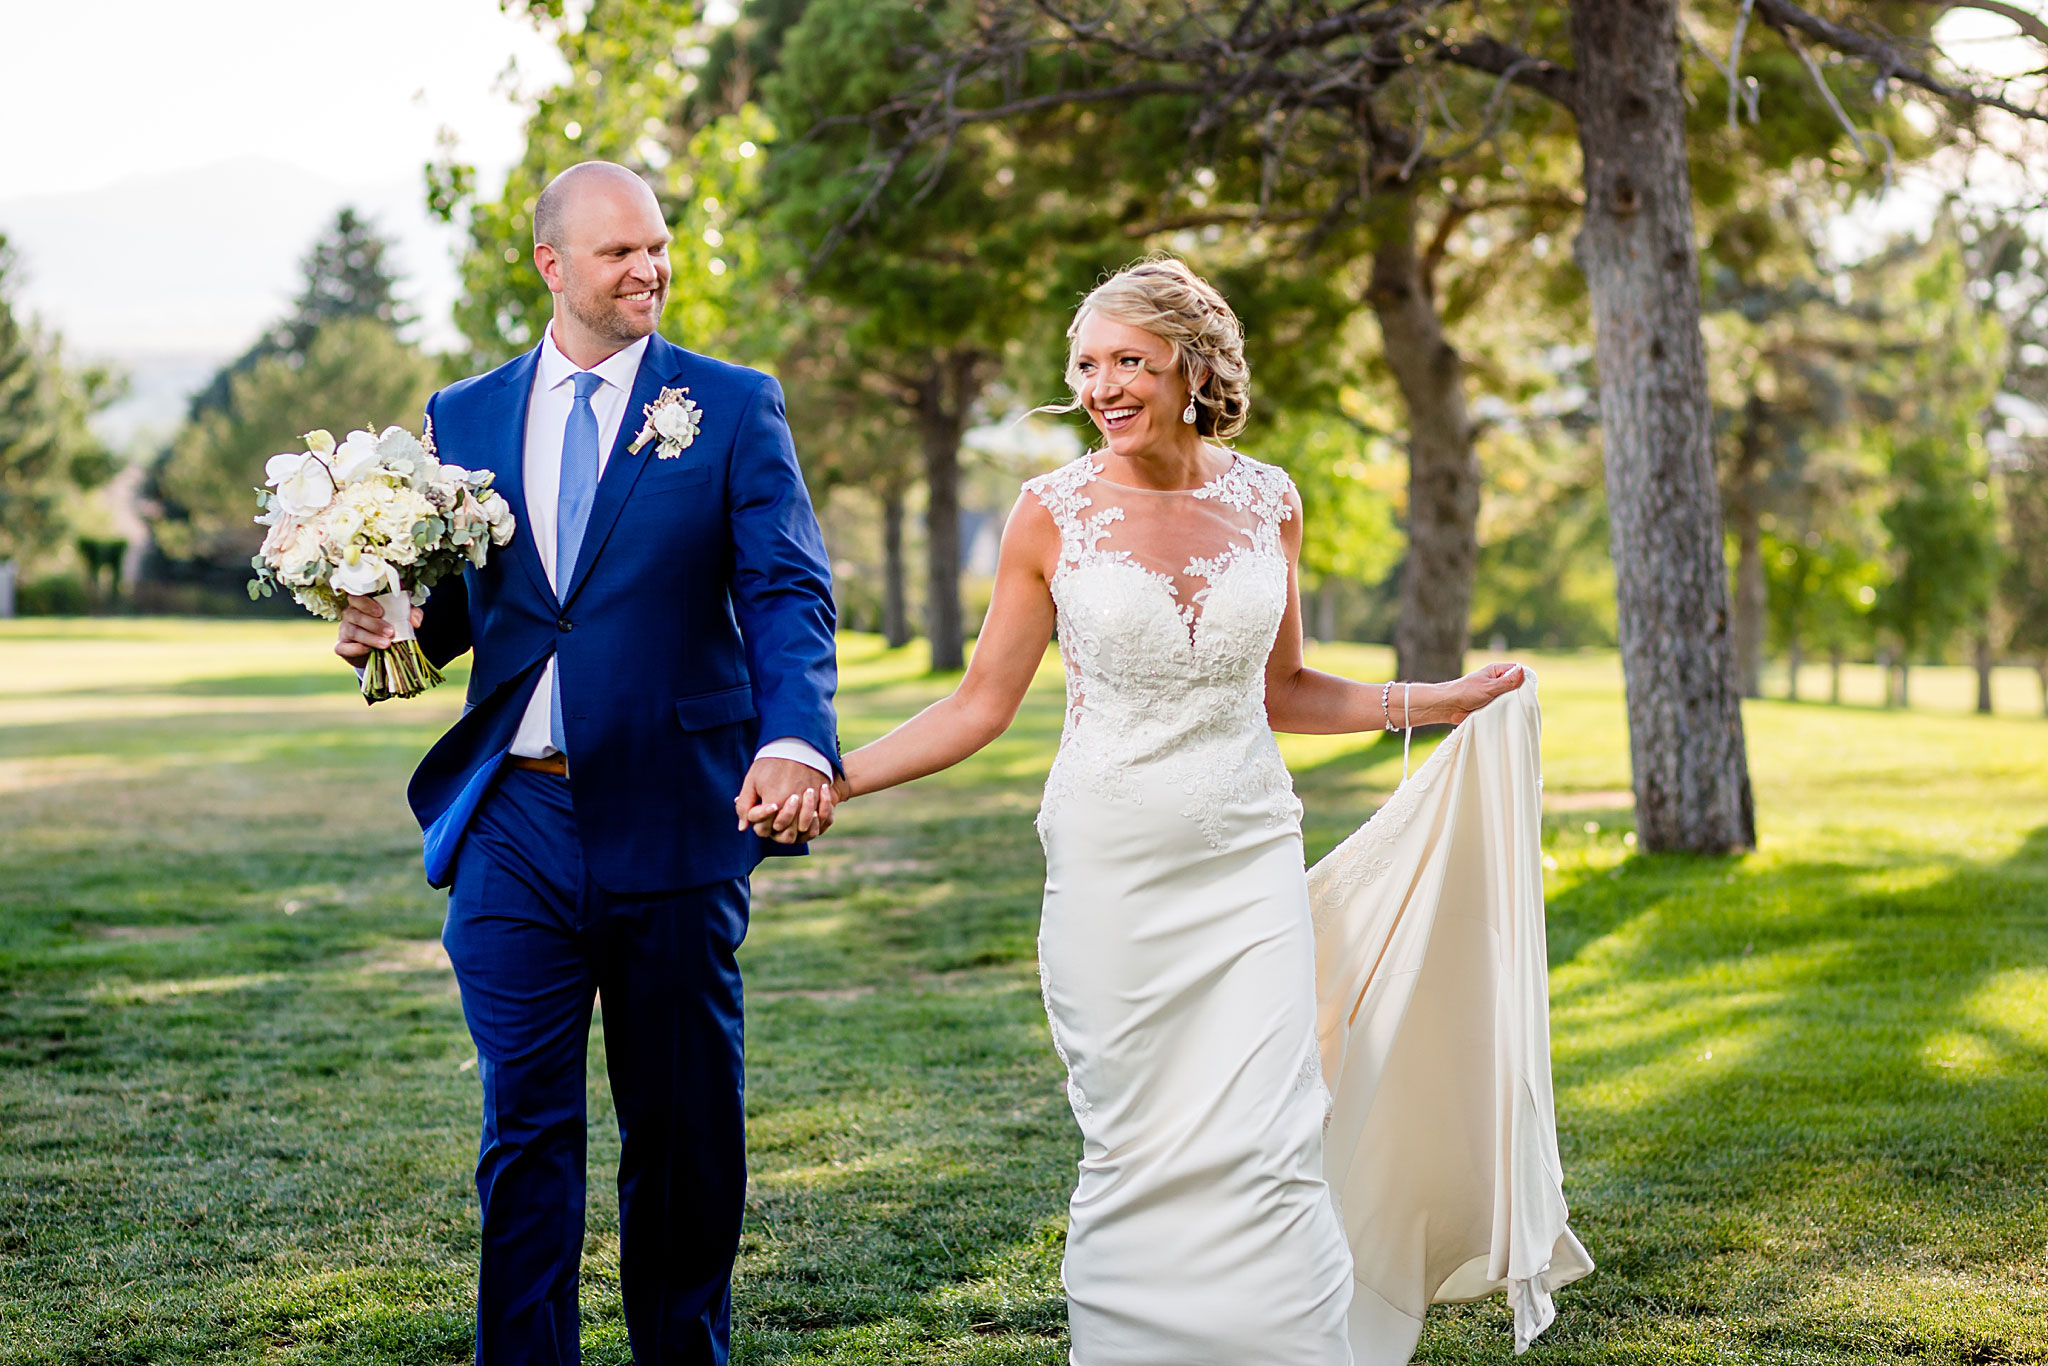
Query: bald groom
653, 653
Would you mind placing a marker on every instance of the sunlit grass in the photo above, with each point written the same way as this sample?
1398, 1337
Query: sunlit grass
1803, 1095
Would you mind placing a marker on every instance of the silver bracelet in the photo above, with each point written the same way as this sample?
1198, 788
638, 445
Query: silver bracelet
1387, 711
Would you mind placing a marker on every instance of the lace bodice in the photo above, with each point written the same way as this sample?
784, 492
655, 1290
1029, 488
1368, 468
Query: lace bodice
1168, 603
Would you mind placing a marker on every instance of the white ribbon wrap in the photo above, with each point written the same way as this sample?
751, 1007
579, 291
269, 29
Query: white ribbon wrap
398, 613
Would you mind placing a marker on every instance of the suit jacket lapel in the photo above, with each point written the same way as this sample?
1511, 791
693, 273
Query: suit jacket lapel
510, 467
621, 470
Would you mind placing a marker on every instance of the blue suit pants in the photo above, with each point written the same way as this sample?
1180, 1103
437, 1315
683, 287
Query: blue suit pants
534, 941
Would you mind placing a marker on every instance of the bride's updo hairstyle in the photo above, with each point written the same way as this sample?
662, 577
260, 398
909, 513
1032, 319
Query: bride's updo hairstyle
1163, 297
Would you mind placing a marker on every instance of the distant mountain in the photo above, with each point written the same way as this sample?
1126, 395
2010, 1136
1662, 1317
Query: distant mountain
169, 275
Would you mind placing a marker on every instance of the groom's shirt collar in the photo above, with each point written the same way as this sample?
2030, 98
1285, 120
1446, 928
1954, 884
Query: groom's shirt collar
618, 369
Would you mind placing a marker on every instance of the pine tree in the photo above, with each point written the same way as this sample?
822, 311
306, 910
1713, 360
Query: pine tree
31, 437
348, 275
200, 481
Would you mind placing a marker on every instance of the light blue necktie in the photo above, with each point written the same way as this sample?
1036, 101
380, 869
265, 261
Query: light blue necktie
572, 512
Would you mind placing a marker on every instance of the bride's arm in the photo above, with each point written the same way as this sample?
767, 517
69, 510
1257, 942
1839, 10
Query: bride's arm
1307, 702
1006, 657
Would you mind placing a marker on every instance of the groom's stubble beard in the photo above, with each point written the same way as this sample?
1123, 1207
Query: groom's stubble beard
603, 317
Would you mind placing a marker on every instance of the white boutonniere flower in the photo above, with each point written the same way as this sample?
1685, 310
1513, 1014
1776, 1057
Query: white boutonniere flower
672, 418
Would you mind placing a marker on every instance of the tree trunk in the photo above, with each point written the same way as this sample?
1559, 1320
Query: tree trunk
1326, 612
1835, 675
1985, 659
895, 613
2041, 670
1794, 657
1884, 671
1745, 508
943, 399
1691, 767
1431, 631
1905, 696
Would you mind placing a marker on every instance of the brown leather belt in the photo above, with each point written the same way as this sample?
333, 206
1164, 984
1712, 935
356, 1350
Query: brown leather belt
554, 763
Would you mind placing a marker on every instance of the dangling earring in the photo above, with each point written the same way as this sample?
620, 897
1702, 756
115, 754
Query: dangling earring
1187, 414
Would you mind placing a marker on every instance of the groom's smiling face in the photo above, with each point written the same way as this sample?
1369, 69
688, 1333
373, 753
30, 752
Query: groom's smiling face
608, 265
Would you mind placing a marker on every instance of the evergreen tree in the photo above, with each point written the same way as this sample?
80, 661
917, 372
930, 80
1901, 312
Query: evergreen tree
31, 450
200, 483
355, 372
348, 274
46, 451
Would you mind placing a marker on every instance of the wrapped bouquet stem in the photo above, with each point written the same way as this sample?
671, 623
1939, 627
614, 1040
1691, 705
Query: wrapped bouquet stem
375, 516
402, 668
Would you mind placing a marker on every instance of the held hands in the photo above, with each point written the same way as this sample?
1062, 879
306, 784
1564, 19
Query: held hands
1460, 697
364, 629
785, 801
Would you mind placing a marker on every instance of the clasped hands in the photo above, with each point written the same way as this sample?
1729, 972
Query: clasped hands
781, 799
786, 801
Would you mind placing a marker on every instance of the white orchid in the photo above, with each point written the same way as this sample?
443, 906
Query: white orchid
357, 459
302, 482
365, 575
320, 441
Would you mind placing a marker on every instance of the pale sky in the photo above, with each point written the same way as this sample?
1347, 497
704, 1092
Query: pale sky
94, 91
166, 166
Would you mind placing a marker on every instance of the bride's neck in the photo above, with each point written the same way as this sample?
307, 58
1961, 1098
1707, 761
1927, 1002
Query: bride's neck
1188, 463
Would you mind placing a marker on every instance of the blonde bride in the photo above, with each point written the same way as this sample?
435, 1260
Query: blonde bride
1196, 993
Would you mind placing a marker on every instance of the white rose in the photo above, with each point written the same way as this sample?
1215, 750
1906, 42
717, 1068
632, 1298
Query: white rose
300, 558
676, 421
302, 483
500, 514
345, 523
365, 576
357, 458
282, 529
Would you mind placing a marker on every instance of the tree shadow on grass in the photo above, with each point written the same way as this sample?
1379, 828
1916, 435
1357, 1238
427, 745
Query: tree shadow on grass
1773, 1085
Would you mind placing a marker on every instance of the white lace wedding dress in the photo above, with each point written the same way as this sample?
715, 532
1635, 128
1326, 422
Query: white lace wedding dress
1180, 966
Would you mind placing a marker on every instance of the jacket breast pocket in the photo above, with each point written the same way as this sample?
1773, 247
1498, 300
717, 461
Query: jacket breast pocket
673, 474
725, 707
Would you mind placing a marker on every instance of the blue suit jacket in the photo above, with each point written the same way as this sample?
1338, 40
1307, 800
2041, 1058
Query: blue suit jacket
698, 618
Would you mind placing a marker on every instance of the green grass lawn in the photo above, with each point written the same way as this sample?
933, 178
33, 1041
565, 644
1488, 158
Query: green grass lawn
1802, 1096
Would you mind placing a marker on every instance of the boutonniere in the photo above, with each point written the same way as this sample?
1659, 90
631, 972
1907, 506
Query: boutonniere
674, 418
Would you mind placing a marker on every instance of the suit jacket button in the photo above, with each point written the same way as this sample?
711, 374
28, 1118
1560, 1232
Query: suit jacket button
564, 624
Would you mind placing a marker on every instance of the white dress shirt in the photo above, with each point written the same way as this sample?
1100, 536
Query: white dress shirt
547, 420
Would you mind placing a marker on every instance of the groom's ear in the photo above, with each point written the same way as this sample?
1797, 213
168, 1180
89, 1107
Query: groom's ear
548, 262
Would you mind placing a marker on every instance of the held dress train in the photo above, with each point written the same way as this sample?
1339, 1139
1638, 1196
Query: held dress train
1189, 1001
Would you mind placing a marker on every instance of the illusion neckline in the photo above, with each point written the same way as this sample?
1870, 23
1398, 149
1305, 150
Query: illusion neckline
1095, 476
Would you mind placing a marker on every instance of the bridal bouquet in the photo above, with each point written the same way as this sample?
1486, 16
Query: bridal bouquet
377, 516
